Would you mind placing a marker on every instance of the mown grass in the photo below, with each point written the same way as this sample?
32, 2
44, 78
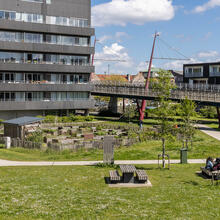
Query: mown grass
81, 193
203, 146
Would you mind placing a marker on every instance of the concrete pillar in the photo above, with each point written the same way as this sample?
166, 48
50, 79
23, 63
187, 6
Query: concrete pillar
44, 113
86, 112
113, 105
7, 142
67, 112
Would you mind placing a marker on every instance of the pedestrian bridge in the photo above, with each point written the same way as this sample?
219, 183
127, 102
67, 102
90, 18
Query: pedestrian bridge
205, 95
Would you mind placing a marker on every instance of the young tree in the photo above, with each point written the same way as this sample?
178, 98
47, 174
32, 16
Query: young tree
162, 86
187, 128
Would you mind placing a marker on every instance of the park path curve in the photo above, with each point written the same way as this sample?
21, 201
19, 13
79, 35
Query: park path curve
209, 131
8, 163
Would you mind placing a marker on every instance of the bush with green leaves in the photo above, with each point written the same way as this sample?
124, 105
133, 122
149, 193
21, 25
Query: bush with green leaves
49, 131
208, 112
36, 137
89, 118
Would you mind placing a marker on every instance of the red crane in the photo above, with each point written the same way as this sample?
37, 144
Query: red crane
143, 106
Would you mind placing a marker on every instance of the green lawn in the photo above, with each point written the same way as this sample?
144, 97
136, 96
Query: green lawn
81, 193
203, 146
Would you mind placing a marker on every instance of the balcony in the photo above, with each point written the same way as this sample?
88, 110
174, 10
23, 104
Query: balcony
46, 105
214, 74
194, 75
45, 48
42, 87
48, 68
45, 28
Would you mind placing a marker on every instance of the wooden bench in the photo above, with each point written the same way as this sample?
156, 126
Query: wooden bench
141, 176
114, 176
214, 175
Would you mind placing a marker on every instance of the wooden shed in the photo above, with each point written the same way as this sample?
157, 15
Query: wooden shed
16, 128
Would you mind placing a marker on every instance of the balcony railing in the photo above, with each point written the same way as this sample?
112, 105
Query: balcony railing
214, 74
45, 100
199, 74
44, 62
43, 82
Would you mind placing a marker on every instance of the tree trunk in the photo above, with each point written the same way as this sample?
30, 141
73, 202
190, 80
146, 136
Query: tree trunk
163, 154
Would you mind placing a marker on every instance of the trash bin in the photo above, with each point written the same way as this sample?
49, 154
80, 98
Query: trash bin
183, 155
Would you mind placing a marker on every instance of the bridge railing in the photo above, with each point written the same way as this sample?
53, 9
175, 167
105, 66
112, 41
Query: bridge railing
180, 86
138, 91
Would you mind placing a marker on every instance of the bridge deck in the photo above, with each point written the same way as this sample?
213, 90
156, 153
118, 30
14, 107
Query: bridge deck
138, 92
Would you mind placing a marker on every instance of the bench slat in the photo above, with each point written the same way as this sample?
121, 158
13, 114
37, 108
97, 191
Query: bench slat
141, 175
114, 175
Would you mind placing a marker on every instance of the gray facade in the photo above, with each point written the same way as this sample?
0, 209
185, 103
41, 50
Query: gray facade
45, 56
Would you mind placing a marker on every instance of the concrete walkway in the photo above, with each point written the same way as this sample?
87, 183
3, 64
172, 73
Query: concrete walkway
7, 163
209, 131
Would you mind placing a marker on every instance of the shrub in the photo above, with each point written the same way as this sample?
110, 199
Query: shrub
50, 119
89, 118
208, 112
36, 137
100, 133
49, 131
65, 119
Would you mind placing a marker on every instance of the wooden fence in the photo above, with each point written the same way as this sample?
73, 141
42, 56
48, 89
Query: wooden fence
25, 144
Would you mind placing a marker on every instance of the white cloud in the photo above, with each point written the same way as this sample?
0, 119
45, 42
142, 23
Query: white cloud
208, 54
104, 38
121, 12
120, 36
178, 64
115, 56
203, 56
208, 5
207, 35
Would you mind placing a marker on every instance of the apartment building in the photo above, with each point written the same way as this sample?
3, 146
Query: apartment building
202, 73
45, 57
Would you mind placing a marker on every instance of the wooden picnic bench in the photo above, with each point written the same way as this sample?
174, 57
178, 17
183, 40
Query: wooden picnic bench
127, 173
114, 176
214, 175
141, 176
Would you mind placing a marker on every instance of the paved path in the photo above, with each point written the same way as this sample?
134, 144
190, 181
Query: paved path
209, 131
7, 163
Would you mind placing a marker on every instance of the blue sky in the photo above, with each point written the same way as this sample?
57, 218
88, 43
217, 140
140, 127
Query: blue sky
124, 29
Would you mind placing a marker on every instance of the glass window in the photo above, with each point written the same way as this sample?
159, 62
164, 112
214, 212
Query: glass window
35, 18
197, 70
29, 17
2, 14
77, 41
190, 70
7, 96
1, 96
18, 16
12, 15
7, 14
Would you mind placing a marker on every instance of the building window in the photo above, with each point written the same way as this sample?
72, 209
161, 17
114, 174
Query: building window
43, 38
197, 70
37, 1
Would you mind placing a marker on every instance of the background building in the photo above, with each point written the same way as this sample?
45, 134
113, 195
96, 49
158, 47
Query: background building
202, 73
45, 57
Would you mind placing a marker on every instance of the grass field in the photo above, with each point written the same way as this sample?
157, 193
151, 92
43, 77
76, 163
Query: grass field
203, 146
81, 193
